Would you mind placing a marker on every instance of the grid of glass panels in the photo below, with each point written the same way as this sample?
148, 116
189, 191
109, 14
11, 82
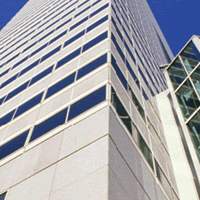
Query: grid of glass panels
184, 74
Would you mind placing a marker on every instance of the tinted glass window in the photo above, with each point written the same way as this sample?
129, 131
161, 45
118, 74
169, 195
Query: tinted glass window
79, 23
87, 102
60, 85
68, 58
99, 10
74, 38
2, 196
20, 62
92, 66
9, 81
28, 105
58, 37
97, 23
5, 119
49, 124
13, 146
119, 73
29, 67
40, 49
17, 91
50, 53
41, 75
95, 41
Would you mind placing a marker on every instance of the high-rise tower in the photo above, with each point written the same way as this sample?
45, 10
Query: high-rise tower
78, 114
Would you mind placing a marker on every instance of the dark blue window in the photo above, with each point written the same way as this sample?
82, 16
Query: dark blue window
17, 91
36, 35
74, 38
20, 62
82, 11
29, 67
2, 196
5, 72
9, 81
92, 66
60, 85
131, 71
49, 124
117, 47
68, 58
143, 76
119, 73
1, 100
87, 102
144, 95
95, 41
97, 23
99, 10
64, 23
40, 49
30, 46
96, 2
13, 145
41, 75
119, 33
51, 53
57, 37
13, 58
5, 119
79, 23
83, 3
28, 105
69, 13
52, 25
129, 51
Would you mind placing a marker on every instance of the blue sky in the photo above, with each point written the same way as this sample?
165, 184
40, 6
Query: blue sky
178, 19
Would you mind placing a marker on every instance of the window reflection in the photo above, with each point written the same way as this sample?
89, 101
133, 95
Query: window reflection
177, 73
196, 79
190, 56
188, 99
194, 129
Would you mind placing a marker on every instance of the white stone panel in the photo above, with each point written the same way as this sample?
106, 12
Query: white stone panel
84, 132
80, 163
36, 187
38, 158
93, 186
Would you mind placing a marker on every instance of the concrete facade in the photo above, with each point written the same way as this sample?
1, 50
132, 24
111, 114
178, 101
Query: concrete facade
79, 117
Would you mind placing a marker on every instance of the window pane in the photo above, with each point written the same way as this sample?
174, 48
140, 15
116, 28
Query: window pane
190, 56
145, 150
177, 73
5, 119
196, 79
41, 75
87, 102
2, 197
28, 105
48, 125
13, 145
188, 100
92, 66
95, 41
60, 85
194, 129
121, 111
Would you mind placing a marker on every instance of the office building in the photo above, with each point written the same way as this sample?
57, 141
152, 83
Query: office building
79, 116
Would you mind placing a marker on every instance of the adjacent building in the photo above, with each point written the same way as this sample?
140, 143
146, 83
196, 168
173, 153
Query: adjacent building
81, 93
